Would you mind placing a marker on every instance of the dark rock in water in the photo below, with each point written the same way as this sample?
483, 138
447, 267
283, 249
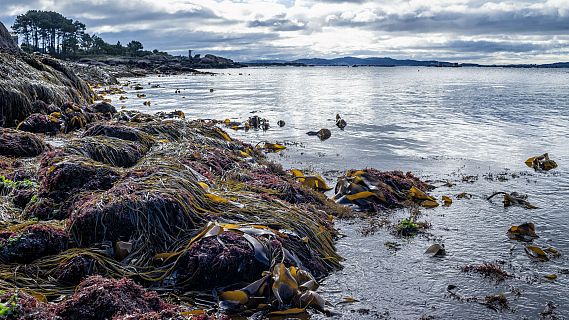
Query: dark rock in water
31, 243
98, 298
340, 123
102, 107
323, 134
281, 123
20, 144
40, 123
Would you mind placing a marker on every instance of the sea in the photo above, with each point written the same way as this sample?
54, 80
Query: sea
464, 130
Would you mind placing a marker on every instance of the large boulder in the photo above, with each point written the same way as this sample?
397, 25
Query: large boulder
20, 144
26, 78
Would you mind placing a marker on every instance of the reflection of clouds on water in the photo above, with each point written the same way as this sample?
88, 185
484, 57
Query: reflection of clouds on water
439, 123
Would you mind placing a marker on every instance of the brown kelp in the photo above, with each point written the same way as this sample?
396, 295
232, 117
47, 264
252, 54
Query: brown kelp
375, 190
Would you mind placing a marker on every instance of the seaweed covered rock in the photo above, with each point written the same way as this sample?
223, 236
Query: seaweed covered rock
375, 190
98, 298
108, 150
16, 304
152, 205
39, 106
40, 123
25, 78
61, 175
121, 132
224, 254
31, 242
220, 260
102, 107
62, 179
20, 144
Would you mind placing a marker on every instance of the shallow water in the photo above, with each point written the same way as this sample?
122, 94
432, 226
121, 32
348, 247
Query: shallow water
440, 123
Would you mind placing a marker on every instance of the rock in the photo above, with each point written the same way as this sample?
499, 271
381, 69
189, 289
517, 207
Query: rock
20, 144
40, 123
98, 298
31, 243
120, 132
322, 134
436, 250
102, 107
62, 176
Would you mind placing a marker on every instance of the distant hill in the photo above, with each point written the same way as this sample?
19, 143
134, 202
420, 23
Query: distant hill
353, 61
384, 62
390, 62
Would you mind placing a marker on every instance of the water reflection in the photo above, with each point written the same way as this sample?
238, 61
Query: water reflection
437, 122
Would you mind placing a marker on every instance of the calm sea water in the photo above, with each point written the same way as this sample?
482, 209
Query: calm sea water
441, 124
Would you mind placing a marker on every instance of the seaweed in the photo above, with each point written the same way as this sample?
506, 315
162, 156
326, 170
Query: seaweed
98, 298
108, 150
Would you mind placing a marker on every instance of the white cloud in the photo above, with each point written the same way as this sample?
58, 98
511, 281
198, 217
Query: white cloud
485, 30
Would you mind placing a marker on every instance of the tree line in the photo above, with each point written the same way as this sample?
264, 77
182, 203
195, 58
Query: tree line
50, 32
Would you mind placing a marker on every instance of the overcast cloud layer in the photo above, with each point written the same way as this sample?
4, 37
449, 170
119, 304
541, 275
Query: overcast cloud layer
455, 30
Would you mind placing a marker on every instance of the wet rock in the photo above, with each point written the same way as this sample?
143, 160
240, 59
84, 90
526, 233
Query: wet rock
31, 242
20, 144
322, 134
39, 106
102, 107
98, 298
340, 123
40, 123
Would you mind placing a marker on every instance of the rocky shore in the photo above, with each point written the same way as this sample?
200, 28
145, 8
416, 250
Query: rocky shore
108, 214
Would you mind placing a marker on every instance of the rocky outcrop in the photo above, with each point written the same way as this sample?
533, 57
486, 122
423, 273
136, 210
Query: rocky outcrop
27, 78
6, 43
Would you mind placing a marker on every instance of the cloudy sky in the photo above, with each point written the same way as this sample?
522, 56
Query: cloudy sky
485, 31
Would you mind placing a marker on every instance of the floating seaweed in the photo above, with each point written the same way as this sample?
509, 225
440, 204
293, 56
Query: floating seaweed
375, 190
541, 163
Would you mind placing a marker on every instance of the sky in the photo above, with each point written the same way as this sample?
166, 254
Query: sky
479, 31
